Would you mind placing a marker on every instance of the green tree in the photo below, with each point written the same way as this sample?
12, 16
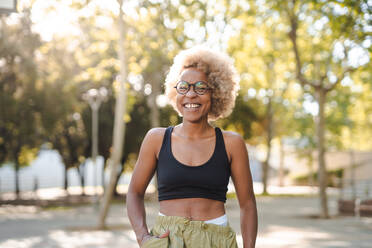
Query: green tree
265, 77
19, 117
60, 105
323, 35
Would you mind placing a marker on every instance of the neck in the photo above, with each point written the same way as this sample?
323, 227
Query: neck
192, 130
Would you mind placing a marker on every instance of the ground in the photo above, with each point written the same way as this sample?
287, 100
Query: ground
283, 222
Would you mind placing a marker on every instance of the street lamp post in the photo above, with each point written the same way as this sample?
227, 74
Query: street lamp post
95, 97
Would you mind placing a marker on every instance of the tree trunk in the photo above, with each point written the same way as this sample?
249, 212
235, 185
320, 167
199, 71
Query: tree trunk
81, 170
103, 175
281, 164
116, 193
119, 125
322, 173
320, 95
16, 178
266, 165
310, 162
352, 174
154, 114
65, 184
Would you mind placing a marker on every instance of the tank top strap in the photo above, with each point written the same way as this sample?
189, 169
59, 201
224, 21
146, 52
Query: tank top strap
165, 147
220, 145
168, 133
219, 136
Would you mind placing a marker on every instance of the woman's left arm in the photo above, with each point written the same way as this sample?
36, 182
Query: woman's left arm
242, 179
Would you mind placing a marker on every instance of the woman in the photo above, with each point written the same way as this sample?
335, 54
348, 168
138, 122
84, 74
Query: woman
194, 161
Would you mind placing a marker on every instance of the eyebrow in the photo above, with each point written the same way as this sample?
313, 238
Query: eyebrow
193, 83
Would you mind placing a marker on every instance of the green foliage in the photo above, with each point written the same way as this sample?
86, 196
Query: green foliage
19, 110
41, 82
241, 118
60, 102
260, 50
333, 178
327, 33
27, 155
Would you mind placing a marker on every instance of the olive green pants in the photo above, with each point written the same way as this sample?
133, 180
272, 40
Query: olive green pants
185, 233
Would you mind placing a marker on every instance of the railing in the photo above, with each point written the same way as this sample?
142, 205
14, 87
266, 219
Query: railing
25, 184
356, 198
361, 189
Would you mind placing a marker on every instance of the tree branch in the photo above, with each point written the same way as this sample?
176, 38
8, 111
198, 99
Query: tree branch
293, 19
339, 79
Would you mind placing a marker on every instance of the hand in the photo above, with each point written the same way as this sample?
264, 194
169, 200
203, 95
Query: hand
149, 236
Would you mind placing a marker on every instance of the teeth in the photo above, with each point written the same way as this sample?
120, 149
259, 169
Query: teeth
192, 105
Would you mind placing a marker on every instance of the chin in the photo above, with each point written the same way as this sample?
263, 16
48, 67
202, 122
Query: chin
195, 119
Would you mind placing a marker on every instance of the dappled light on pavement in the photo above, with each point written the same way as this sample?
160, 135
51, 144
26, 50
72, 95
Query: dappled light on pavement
283, 222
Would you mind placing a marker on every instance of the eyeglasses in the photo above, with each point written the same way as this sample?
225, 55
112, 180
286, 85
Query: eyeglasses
183, 87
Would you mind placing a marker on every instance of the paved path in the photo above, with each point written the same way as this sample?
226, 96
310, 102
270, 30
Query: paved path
283, 222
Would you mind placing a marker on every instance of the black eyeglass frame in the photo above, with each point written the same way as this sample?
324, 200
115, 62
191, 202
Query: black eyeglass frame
189, 86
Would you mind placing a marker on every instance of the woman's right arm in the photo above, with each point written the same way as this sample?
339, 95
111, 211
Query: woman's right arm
142, 174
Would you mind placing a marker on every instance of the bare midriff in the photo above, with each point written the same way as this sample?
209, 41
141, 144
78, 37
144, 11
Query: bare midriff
193, 208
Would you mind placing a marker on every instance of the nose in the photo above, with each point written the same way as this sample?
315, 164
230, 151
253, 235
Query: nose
191, 92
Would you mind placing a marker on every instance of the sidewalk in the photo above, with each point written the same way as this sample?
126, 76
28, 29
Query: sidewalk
283, 222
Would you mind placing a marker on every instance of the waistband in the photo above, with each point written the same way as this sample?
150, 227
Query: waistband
222, 220
169, 221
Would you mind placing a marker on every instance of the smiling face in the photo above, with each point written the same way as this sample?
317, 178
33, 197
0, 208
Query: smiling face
194, 107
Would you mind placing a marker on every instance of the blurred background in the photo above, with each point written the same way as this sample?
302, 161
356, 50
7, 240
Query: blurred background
67, 67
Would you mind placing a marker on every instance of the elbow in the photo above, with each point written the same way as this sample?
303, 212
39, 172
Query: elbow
135, 191
248, 205
133, 195
133, 201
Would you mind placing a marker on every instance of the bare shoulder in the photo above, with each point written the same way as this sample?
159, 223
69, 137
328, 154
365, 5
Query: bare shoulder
154, 139
156, 133
234, 144
232, 139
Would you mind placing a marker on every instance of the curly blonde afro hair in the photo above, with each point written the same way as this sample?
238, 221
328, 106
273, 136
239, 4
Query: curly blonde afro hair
221, 74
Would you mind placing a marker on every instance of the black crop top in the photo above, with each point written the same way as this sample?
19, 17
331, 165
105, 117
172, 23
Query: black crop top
209, 180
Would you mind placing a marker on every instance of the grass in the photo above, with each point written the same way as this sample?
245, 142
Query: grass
62, 208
